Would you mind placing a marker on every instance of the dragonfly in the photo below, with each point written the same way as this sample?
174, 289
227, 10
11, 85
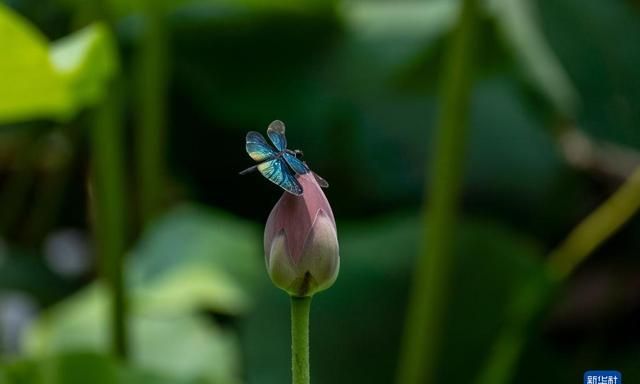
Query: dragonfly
279, 165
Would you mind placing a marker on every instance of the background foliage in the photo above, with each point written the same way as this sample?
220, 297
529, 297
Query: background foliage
357, 83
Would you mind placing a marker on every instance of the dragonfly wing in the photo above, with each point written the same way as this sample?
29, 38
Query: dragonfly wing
321, 182
277, 172
296, 164
258, 148
276, 134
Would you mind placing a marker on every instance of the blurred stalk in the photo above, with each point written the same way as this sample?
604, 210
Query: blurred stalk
596, 228
427, 302
151, 77
108, 194
530, 301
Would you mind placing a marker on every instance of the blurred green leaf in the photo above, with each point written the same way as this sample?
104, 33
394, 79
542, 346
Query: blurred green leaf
211, 247
517, 19
597, 42
406, 36
194, 287
506, 142
76, 368
182, 346
87, 61
124, 7
27, 272
29, 85
190, 260
79, 322
384, 37
54, 82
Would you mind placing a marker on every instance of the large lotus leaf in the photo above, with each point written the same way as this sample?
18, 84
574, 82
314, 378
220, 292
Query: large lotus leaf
51, 82
191, 248
195, 286
178, 345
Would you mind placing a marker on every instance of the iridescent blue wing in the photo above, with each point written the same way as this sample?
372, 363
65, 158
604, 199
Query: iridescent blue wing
277, 172
276, 134
258, 148
296, 164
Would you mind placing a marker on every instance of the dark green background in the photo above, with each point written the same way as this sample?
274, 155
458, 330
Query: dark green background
357, 85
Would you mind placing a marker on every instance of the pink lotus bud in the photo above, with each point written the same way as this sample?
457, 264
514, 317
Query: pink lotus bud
301, 242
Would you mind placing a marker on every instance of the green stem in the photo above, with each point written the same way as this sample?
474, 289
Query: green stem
109, 206
300, 307
594, 230
427, 302
151, 76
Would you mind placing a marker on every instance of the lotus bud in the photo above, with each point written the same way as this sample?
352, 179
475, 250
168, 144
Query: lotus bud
301, 241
